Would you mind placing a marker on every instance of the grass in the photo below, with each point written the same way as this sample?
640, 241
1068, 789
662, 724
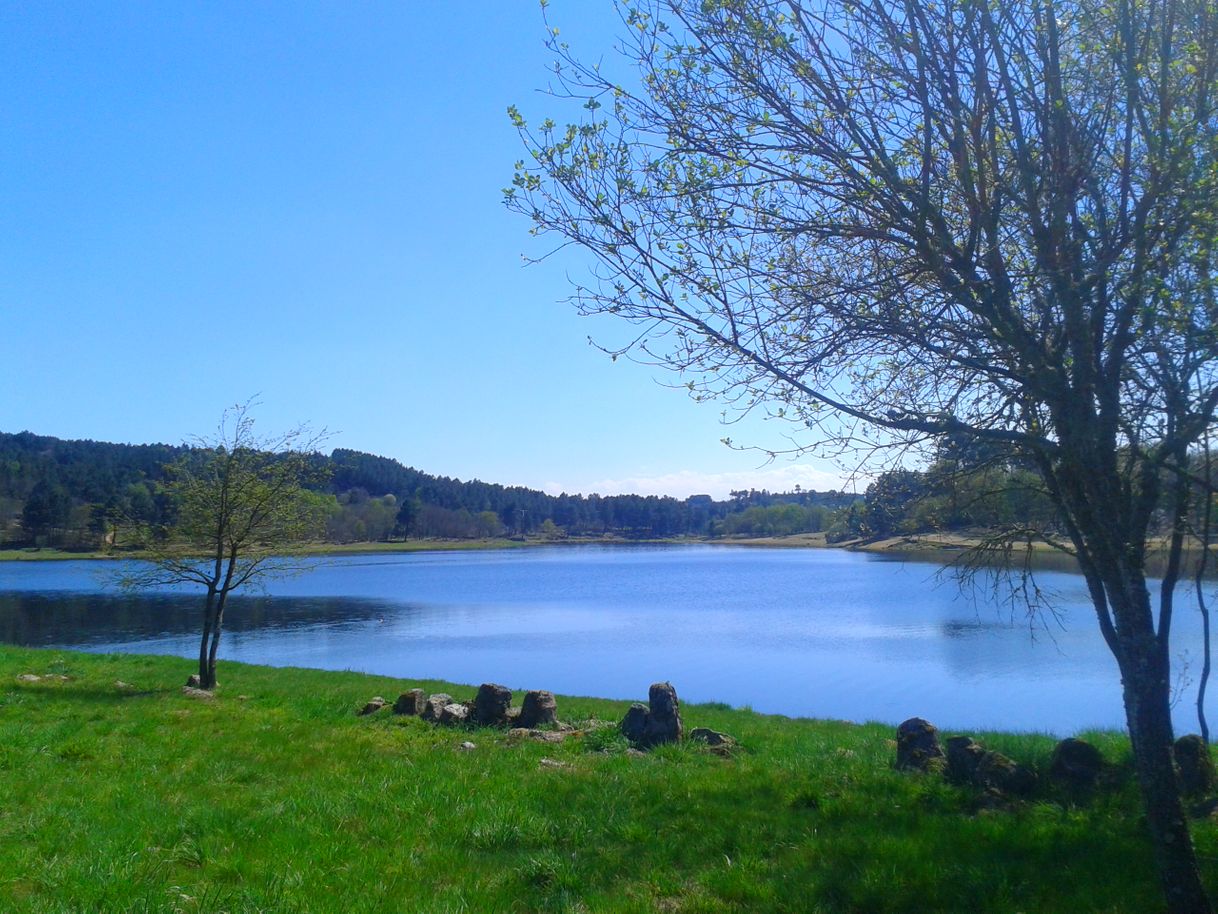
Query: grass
276, 797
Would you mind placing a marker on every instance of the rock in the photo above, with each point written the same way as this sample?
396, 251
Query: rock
635, 722
491, 705
123, 686
435, 705
453, 714
635, 753
204, 694
997, 772
194, 682
968, 762
918, 746
663, 716
29, 677
553, 763
1076, 764
412, 703
964, 754
372, 707
656, 724
1195, 765
538, 710
467, 746
719, 743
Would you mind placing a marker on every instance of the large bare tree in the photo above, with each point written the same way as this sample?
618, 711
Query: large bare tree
893, 221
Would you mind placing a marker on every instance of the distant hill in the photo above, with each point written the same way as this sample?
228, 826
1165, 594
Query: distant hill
70, 493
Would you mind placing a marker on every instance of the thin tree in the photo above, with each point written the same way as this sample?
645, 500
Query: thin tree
240, 501
894, 221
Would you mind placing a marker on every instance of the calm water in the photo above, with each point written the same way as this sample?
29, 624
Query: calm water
821, 633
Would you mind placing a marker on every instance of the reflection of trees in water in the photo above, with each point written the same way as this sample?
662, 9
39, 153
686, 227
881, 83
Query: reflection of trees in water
37, 619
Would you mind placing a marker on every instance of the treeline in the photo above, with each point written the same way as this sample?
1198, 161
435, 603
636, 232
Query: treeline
85, 494
961, 489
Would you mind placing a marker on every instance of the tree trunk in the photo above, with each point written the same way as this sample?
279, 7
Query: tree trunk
214, 646
203, 643
1148, 713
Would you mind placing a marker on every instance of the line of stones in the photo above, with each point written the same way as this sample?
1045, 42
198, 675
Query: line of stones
491, 707
1075, 764
645, 726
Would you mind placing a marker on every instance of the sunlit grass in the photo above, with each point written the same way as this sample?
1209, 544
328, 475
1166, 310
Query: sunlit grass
276, 797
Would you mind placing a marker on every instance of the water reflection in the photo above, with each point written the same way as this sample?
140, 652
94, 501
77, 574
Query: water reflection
90, 619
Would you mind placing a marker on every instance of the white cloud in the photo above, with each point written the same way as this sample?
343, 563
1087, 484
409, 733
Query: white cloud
683, 483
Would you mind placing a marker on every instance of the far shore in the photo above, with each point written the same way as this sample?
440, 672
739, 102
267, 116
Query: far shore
954, 548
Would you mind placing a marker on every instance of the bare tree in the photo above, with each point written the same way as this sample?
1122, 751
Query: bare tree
240, 501
892, 221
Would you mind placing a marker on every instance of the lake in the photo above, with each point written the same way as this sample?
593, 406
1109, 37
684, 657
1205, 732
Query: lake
802, 632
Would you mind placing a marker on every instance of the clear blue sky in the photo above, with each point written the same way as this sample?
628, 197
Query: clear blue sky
200, 202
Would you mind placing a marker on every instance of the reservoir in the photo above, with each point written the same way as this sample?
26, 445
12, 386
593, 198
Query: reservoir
803, 632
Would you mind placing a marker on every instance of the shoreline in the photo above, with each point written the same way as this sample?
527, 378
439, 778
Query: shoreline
946, 549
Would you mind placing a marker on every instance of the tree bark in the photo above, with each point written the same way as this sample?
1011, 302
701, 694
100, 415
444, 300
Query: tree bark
1146, 684
215, 646
203, 643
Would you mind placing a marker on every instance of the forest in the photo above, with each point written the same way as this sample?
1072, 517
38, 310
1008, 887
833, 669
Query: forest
88, 494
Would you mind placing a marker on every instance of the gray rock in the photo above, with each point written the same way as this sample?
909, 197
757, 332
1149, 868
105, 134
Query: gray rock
453, 714
656, 724
412, 703
918, 746
635, 722
997, 772
1076, 764
964, 754
435, 705
467, 746
719, 743
663, 716
538, 710
372, 707
968, 762
193, 681
1195, 765
202, 694
491, 705
34, 677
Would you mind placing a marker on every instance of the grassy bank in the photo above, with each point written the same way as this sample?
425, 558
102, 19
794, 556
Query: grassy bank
123, 794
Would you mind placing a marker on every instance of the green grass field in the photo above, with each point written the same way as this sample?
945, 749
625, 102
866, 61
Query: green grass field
275, 797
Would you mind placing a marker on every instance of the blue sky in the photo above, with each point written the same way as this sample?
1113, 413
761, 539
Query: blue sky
200, 202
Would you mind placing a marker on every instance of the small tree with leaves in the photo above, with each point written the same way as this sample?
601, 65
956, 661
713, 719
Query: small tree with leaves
240, 499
